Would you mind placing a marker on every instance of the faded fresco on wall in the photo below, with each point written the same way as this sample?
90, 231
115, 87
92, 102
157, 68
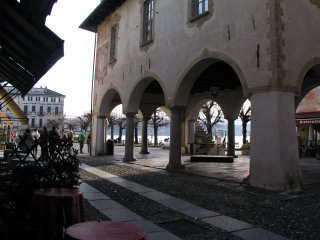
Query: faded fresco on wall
311, 102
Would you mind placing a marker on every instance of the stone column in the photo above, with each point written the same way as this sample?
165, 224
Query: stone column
191, 133
175, 140
274, 157
129, 147
144, 136
100, 144
310, 135
231, 147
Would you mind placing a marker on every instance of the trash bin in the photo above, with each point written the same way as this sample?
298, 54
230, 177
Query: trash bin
110, 147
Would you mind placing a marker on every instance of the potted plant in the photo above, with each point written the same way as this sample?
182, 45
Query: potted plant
245, 149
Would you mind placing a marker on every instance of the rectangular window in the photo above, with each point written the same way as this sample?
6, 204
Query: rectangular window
33, 120
56, 110
40, 122
25, 109
46, 99
33, 108
199, 7
148, 17
113, 43
59, 99
41, 109
49, 109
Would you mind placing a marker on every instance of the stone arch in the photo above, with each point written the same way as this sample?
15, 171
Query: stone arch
138, 90
195, 108
109, 101
304, 84
199, 65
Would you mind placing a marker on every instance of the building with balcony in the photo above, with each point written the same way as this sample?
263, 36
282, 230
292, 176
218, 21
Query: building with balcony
38, 105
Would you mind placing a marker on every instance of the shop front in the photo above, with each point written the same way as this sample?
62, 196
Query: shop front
308, 132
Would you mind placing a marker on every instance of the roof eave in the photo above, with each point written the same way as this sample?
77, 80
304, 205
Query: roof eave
103, 10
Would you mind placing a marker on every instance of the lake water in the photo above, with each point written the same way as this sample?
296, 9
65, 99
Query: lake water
238, 139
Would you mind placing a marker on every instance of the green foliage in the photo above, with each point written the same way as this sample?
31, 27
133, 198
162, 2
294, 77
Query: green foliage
245, 146
60, 168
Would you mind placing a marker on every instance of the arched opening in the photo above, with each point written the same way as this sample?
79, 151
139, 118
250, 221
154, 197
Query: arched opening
211, 79
308, 125
147, 96
99, 134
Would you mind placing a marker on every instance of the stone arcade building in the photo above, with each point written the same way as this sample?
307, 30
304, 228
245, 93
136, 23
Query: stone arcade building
174, 54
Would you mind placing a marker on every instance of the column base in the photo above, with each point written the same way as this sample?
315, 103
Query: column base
129, 159
175, 167
144, 152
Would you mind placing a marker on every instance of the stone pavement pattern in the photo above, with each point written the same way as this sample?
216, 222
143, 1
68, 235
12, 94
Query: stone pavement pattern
116, 212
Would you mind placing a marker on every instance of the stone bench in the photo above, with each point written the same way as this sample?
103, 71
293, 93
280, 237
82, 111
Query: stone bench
211, 158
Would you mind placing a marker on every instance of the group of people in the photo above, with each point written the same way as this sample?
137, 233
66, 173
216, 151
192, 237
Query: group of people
49, 140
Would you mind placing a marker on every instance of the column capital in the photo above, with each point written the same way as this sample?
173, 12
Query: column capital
146, 118
231, 118
101, 117
177, 109
130, 115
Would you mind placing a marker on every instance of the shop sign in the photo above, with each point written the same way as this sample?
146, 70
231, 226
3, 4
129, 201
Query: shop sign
308, 121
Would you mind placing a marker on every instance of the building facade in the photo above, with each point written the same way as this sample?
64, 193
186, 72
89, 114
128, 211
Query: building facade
38, 105
179, 54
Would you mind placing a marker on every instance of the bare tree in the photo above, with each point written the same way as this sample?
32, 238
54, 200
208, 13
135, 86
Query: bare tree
210, 114
71, 123
111, 123
120, 120
245, 115
158, 119
55, 121
136, 121
85, 121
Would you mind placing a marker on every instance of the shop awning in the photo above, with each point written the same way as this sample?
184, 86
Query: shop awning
13, 107
5, 119
308, 118
28, 49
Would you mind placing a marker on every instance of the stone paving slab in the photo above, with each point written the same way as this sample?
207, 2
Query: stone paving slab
121, 214
258, 234
157, 196
86, 188
162, 236
199, 213
95, 195
227, 223
141, 189
104, 204
117, 212
148, 226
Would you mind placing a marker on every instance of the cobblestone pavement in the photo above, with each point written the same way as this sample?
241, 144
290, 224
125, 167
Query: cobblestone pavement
294, 216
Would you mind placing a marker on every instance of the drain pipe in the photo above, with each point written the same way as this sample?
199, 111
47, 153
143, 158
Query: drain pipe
92, 85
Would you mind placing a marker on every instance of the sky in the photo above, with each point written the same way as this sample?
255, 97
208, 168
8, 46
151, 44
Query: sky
72, 74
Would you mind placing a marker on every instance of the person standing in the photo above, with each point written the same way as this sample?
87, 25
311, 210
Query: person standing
54, 140
26, 141
43, 141
35, 136
81, 139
